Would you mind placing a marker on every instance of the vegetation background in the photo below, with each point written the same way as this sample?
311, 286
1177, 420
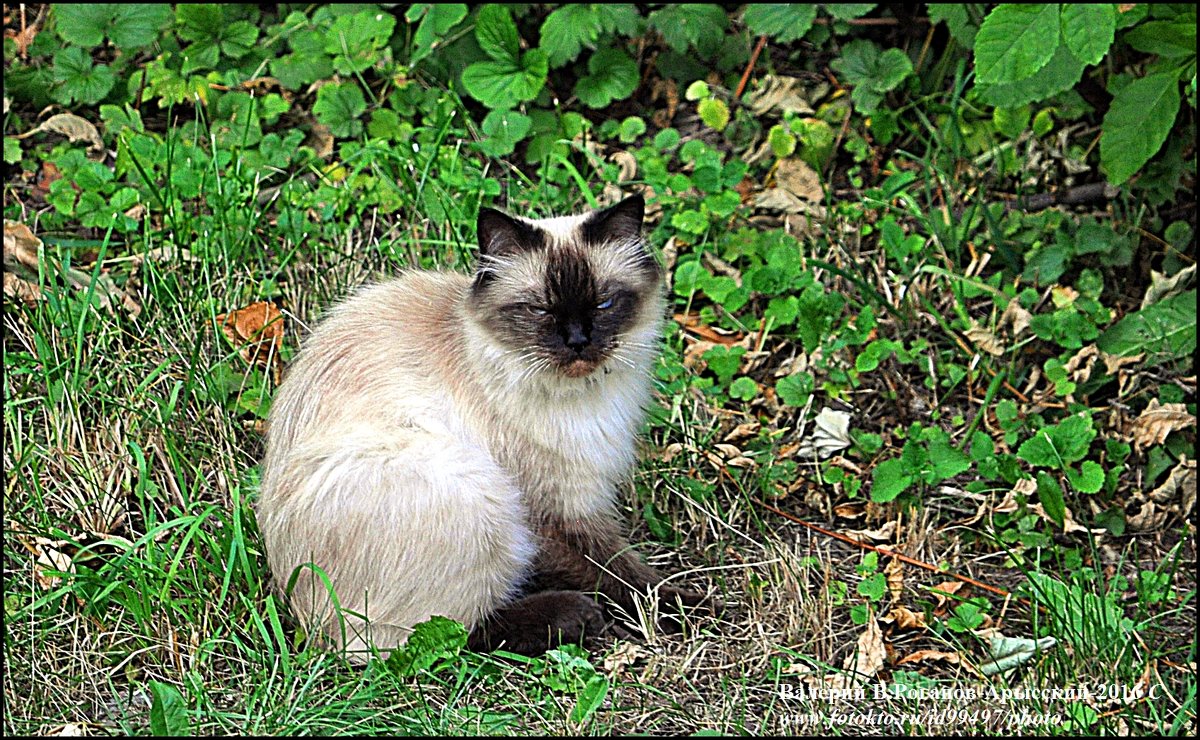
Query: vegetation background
926, 413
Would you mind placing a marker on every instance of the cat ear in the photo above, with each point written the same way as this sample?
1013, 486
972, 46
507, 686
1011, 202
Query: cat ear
620, 222
501, 234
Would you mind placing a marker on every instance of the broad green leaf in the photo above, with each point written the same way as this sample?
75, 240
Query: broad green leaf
1089, 479
436, 21
83, 24
1059, 445
795, 389
690, 24
1015, 41
714, 113
431, 641
567, 30
724, 361
782, 142
743, 388
80, 79
355, 40
1088, 30
1051, 496
957, 20
849, 11
784, 22
1164, 331
889, 480
297, 70
12, 150
503, 84
200, 21
497, 34
947, 461
613, 75
590, 698
339, 107
1062, 73
168, 712
1173, 38
871, 71
1137, 123
504, 128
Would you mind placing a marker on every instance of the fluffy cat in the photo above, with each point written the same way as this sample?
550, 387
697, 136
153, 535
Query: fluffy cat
450, 445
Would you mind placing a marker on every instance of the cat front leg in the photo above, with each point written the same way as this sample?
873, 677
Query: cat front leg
538, 622
591, 555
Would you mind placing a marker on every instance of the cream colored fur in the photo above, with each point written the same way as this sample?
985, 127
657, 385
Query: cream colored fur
409, 455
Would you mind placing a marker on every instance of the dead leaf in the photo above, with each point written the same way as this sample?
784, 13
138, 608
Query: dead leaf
831, 432
1016, 317
904, 619
714, 335
627, 166
1080, 365
743, 431
799, 178
21, 247
985, 340
320, 138
20, 289
885, 533
70, 729
870, 654
894, 572
1143, 515
47, 176
49, 558
787, 94
1157, 422
850, 510
257, 332
925, 656
1162, 286
71, 126
943, 591
1114, 363
622, 656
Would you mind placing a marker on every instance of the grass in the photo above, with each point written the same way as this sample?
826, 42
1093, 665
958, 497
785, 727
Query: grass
132, 555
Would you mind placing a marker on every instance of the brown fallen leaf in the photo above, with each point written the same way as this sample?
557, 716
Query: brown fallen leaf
1081, 363
904, 619
894, 573
925, 656
942, 591
623, 655
985, 340
1157, 422
691, 323
21, 247
870, 654
257, 332
1016, 317
21, 289
71, 126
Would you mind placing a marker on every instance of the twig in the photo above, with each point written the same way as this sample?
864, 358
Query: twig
762, 41
889, 553
1078, 195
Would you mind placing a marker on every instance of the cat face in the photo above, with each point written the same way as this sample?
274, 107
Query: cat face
567, 295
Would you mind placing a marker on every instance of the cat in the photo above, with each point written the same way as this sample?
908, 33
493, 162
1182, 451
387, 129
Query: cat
450, 444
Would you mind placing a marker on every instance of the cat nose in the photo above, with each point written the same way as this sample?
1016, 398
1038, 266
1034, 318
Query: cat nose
576, 339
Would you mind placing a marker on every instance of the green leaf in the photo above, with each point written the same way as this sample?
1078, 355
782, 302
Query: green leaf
590, 698
355, 41
567, 30
1058, 445
504, 128
872, 72
1090, 478
889, 479
1088, 30
612, 76
1015, 41
957, 20
80, 79
436, 21
83, 24
743, 389
339, 107
431, 641
781, 141
849, 11
497, 34
714, 113
873, 586
1164, 331
298, 70
690, 24
168, 712
1137, 123
12, 150
1171, 39
784, 22
504, 85
1062, 73
795, 389
947, 461
1051, 496
724, 361
200, 21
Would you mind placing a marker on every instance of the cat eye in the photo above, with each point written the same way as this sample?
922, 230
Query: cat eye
607, 304
536, 310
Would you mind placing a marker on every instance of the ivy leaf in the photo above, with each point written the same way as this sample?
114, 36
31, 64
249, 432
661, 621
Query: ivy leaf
1137, 123
1015, 41
567, 30
690, 24
612, 76
339, 107
889, 479
436, 21
80, 79
355, 40
784, 22
1089, 28
499, 84
504, 128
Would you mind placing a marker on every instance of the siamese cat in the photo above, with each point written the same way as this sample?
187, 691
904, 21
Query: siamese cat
451, 445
